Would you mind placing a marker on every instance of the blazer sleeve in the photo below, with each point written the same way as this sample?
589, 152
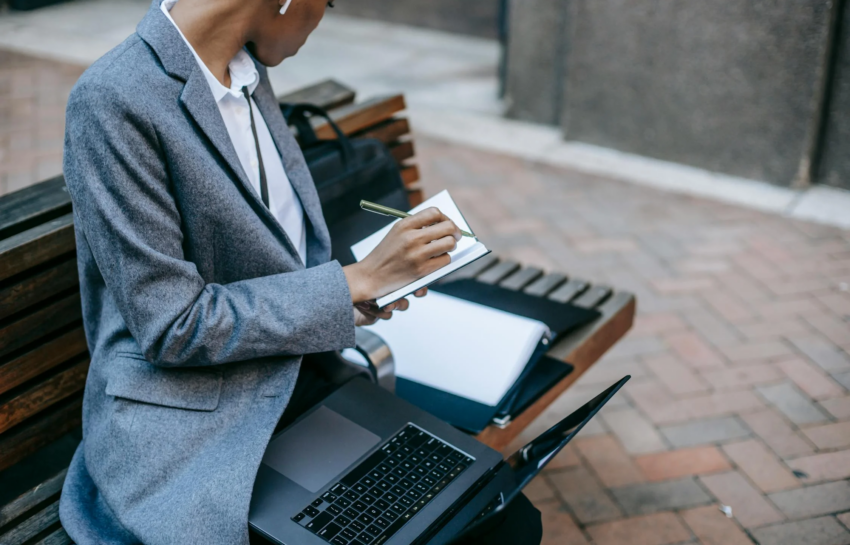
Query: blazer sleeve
124, 209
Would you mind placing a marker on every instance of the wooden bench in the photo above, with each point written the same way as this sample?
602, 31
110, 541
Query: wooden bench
43, 353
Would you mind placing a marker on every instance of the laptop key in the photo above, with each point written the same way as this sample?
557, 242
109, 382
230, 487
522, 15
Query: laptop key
329, 497
390, 515
372, 512
360, 488
319, 522
317, 502
311, 511
356, 526
366, 538
382, 522
384, 485
334, 509
365, 519
398, 490
342, 520
298, 518
368, 481
400, 509
348, 533
339, 488
343, 502
374, 530
382, 505
406, 484
351, 495
376, 492
359, 506
339, 541
329, 531
390, 497
367, 499
351, 513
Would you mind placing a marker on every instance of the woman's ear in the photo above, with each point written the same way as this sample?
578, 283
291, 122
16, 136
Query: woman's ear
285, 6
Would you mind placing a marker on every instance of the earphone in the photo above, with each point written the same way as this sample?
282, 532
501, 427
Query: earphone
285, 7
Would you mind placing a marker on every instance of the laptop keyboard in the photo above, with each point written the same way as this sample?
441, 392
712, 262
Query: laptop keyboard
375, 499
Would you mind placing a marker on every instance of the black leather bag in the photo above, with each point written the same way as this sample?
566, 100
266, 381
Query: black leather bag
345, 172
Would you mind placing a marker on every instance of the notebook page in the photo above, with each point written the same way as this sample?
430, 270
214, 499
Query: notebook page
463, 348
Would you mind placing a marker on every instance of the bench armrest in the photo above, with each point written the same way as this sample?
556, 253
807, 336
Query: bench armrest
381, 364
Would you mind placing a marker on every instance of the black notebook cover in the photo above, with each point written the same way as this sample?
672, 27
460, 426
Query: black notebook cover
547, 373
561, 318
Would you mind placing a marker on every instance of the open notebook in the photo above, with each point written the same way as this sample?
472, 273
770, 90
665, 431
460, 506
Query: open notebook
468, 249
462, 348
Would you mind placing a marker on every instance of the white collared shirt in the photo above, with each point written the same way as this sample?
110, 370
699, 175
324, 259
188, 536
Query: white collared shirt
283, 201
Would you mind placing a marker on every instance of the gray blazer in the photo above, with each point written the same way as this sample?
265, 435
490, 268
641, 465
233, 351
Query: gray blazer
196, 305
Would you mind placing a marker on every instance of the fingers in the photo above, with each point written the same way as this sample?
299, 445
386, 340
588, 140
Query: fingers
401, 305
439, 230
421, 292
440, 247
424, 218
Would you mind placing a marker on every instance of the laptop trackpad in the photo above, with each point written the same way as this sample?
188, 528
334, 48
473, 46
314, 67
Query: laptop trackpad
317, 449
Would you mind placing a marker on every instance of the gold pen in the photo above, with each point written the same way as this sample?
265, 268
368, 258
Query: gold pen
387, 211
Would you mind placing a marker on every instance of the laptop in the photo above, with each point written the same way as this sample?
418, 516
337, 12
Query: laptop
364, 467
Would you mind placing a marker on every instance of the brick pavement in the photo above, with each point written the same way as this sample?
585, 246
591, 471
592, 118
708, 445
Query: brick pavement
33, 93
740, 356
740, 353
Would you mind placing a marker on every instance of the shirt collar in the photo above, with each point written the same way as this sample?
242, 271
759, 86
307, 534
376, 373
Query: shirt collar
243, 72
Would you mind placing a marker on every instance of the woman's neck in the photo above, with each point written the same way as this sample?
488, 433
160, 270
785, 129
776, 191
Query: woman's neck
215, 29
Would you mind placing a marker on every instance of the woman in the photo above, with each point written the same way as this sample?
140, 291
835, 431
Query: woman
204, 270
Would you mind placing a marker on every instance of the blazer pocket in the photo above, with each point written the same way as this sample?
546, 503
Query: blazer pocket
133, 378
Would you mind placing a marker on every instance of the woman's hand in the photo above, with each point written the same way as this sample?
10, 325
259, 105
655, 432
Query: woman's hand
367, 313
415, 247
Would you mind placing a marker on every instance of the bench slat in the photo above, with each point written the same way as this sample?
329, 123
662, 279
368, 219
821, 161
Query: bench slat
521, 278
388, 131
59, 537
28, 207
360, 116
415, 196
473, 269
496, 274
38, 287
569, 291
36, 246
40, 323
402, 151
19, 443
328, 94
43, 395
31, 498
409, 175
32, 526
545, 285
41, 359
592, 297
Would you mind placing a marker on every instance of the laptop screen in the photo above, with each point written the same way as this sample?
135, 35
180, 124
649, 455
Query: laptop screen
530, 459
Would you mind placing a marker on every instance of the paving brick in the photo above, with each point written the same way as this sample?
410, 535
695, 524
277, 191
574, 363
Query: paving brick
609, 370
844, 518
670, 286
838, 407
829, 436
609, 460
681, 463
568, 457
822, 352
713, 527
810, 378
834, 329
655, 401
777, 433
842, 377
636, 433
658, 529
761, 466
813, 501
749, 507
675, 375
584, 495
736, 378
641, 499
819, 531
701, 432
755, 350
539, 490
792, 403
636, 346
828, 466
773, 329
729, 307
694, 351
715, 330
658, 322
558, 526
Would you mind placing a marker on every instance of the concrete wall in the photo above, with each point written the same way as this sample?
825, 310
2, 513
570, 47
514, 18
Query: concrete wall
475, 17
730, 86
834, 166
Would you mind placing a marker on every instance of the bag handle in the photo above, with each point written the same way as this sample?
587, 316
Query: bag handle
295, 114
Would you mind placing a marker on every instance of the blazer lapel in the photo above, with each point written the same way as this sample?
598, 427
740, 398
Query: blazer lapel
178, 61
296, 170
